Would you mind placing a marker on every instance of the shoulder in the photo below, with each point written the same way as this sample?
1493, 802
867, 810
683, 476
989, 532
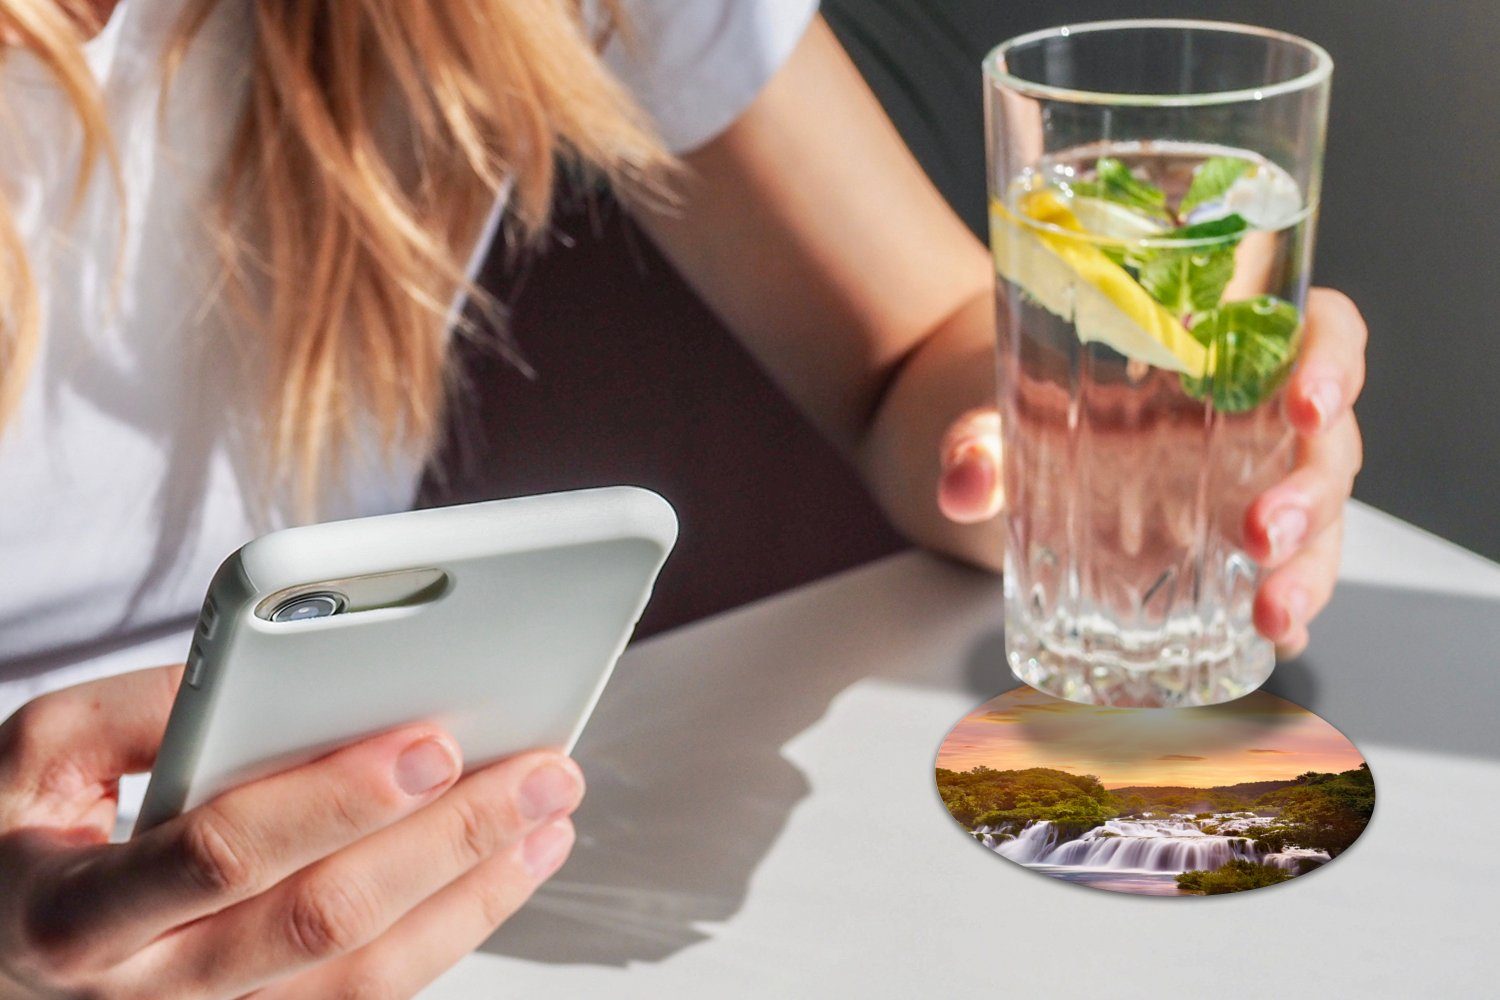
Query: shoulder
695, 65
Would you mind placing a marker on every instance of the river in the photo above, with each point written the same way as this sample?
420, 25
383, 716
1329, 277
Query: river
1141, 854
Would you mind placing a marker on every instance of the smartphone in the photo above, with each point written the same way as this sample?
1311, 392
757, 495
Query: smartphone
499, 621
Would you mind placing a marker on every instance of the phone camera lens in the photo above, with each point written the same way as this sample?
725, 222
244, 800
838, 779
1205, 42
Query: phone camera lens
306, 606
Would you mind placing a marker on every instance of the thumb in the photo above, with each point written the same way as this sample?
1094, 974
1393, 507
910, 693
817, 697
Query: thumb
970, 487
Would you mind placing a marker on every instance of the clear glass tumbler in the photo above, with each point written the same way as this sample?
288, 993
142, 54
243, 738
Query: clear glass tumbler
1153, 189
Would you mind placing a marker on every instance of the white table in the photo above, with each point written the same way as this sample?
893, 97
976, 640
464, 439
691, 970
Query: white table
762, 820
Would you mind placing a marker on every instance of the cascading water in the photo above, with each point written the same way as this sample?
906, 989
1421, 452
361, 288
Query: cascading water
1030, 845
1296, 859
1171, 844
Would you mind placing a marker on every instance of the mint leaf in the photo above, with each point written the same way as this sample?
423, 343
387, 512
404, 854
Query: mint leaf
1192, 279
1215, 229
1250, 349
1211, 180
1114, 182
1186, 283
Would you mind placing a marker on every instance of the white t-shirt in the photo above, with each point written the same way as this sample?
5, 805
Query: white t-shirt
124, 479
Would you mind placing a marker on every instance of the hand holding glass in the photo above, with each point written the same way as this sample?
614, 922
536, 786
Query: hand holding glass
1153, 190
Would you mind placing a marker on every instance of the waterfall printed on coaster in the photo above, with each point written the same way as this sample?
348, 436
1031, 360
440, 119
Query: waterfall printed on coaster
1160, 802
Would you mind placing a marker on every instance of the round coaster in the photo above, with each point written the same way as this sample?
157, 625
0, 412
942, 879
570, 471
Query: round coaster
1159, 802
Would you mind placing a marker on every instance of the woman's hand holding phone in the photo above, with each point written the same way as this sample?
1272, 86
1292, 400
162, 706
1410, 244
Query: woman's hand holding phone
375, 865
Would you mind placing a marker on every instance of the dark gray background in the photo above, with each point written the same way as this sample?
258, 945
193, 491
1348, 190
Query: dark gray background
1408, 228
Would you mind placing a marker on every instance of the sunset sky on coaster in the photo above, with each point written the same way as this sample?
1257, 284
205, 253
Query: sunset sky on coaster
1257, 738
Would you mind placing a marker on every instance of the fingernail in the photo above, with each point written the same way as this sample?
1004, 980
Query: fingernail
550, 789
972, 473
1325, 396
1297, 603
1286, 530
971, 478
969, 453
424, 765
545, 850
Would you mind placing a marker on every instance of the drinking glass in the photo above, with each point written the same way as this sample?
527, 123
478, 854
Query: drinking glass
1153, 189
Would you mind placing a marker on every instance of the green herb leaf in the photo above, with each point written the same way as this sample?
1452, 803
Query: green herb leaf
1211, 180
1251, 345
1216, 229
1114, 182
1192, 279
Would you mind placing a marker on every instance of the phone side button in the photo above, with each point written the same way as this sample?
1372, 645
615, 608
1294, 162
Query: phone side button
194, 672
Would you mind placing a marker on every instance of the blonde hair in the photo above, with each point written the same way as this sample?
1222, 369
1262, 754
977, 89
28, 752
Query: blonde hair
345, 256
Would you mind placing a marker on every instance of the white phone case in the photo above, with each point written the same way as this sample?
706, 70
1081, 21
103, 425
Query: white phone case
538, 597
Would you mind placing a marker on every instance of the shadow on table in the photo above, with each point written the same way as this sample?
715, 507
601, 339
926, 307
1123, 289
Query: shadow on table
1390, 665
689, 789
688, 786
1405, 667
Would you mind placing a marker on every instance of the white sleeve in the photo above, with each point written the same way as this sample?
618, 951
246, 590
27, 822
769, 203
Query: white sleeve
695, 65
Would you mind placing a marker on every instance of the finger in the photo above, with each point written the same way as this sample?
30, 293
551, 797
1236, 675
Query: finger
119, 897
1301, 506
969, 487
1294, 594
1331, 372
442, 929
349, 899
101, 730
1294, 644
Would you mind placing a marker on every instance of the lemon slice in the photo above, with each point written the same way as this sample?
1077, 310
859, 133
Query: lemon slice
1075, 280
1105, 218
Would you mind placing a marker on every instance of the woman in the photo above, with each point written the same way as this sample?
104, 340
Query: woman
233, 239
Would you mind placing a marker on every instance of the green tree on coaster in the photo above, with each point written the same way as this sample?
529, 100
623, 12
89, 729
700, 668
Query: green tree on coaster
1235, 876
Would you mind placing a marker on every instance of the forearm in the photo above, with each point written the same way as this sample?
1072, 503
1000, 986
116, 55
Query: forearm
949, 373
